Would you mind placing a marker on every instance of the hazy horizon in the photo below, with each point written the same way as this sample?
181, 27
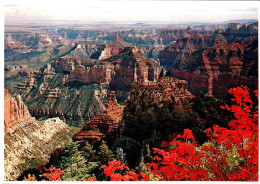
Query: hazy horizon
173, 12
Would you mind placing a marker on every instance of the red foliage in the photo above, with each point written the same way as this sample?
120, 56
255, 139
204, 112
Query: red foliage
54, 174
118, 171
216, 160
91, 179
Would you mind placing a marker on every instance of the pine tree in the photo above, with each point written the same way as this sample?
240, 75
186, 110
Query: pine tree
74, 164
89, 153
104, 153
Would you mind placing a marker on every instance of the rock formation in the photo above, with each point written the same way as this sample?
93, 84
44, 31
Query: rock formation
106, 124
215, 70
28, 142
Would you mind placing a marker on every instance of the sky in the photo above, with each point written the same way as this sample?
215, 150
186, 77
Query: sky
31, 11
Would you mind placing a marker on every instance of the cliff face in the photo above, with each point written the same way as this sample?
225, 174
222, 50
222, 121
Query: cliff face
14, 111
102, 126
219, 68
29, 142
185, 46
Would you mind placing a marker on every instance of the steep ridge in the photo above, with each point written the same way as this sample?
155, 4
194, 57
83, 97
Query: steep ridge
215, 70
29, 142
103, 126
83, 50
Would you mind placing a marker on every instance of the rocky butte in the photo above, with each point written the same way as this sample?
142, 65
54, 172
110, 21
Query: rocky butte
214, 70
28, 142
103, 126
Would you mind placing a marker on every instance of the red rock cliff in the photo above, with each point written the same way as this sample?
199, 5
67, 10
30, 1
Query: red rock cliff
14, 111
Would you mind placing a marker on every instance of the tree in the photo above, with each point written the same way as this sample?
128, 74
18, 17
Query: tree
89, 153
74, 164
105, 154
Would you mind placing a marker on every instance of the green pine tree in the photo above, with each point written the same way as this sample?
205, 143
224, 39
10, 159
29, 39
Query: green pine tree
74, 164
89, 153
104, 153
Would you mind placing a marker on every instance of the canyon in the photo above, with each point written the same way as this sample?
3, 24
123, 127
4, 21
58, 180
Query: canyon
76, 89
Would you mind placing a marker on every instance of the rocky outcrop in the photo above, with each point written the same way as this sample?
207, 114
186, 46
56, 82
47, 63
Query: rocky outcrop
102, 126
166, 89
215, 70
185, 46
15, 67
243, 34
28, 142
